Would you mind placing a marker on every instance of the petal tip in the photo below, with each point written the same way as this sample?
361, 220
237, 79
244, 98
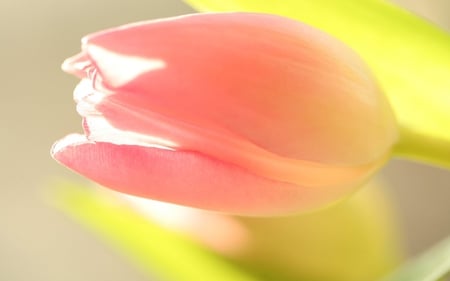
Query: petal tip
76, 65
70, 140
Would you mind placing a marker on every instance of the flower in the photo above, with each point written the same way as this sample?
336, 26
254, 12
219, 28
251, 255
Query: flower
243, 113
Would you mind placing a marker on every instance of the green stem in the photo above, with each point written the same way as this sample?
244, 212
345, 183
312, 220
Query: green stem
415, 146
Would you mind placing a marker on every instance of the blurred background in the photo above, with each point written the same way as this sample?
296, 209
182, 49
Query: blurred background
38, 242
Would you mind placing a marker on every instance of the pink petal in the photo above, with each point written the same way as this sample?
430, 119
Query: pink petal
279, 84
187, 178
226, 147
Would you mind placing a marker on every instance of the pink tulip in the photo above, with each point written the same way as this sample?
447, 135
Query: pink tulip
242, 113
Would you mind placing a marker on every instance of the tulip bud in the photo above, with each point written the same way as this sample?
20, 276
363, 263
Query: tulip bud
244, 113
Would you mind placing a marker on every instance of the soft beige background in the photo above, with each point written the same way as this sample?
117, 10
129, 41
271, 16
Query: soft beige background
37, 242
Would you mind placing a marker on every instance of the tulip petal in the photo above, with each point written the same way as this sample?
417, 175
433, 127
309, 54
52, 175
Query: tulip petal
300, 94
153, 130
409, 56
147, 128
187, 178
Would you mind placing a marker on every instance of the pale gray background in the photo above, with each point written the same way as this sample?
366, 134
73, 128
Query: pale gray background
40, 244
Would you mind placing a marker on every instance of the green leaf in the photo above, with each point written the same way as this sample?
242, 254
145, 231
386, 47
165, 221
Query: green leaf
355, 240
430, 266
322, 250
409, 56
155, 250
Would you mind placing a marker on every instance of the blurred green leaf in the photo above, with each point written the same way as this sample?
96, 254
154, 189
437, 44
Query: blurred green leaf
156, 250
431, 266
355, 240
173, 256
410, 57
